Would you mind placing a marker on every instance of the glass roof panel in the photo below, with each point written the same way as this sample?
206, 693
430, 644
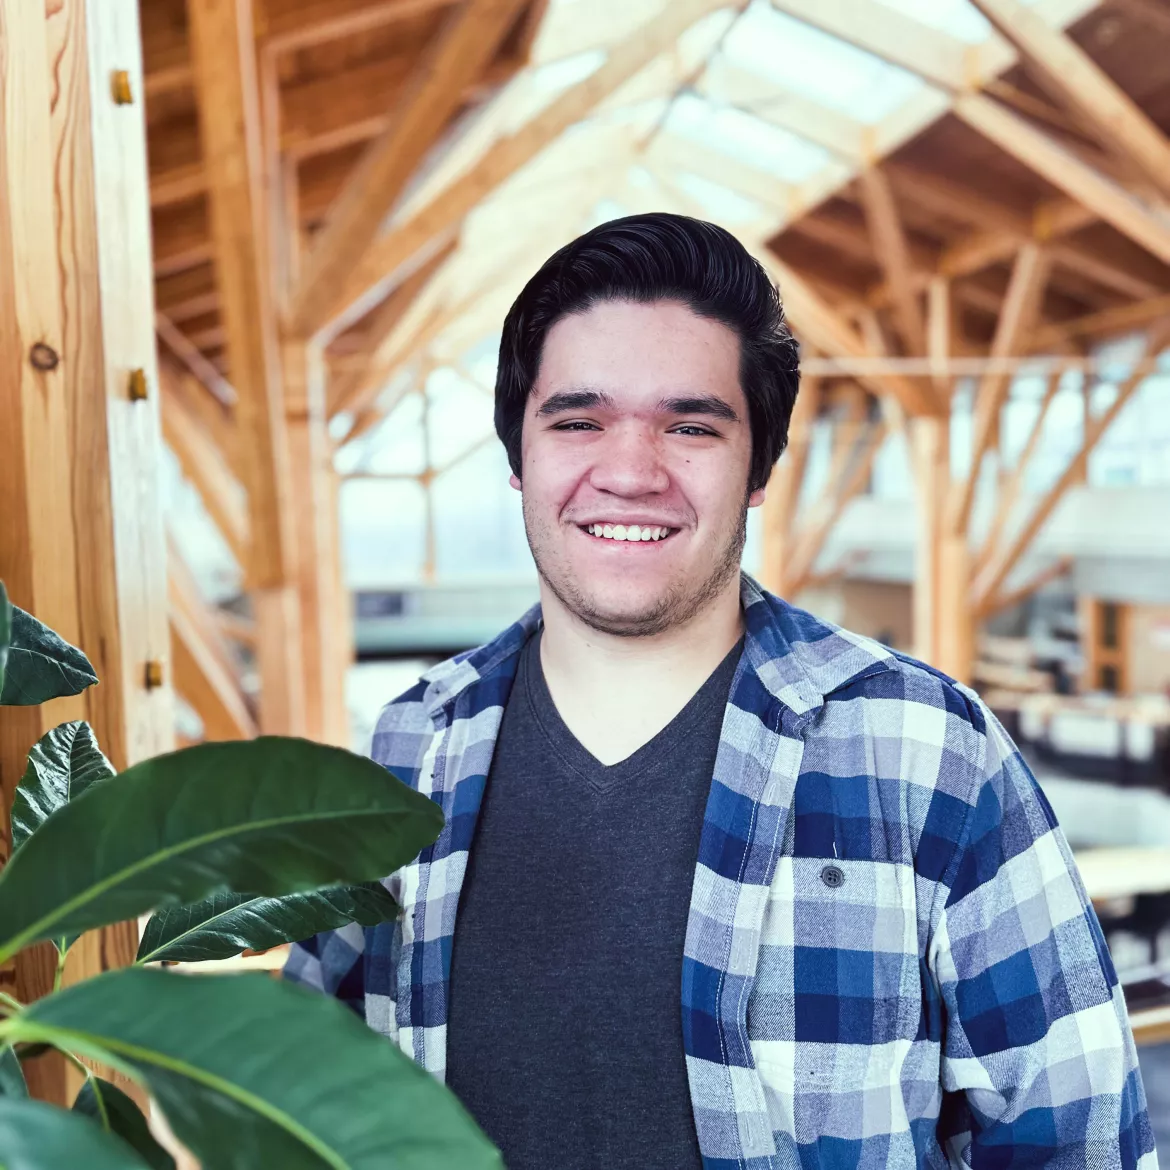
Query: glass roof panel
755, 142
818, 66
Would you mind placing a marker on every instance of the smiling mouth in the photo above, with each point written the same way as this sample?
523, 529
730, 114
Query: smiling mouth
630, 533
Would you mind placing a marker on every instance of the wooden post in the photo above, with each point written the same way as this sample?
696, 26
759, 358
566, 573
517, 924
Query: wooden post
81, 541
316, 519
223, 57
930, 442
955, 614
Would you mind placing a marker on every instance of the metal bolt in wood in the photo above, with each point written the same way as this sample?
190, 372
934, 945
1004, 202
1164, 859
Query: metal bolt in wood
120, 87
137, 385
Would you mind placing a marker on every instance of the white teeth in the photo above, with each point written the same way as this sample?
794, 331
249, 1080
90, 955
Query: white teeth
628, 531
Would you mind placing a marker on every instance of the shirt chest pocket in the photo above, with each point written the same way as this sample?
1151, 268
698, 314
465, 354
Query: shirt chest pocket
838, 961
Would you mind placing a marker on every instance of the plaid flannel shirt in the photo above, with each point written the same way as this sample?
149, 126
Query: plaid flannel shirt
889, 958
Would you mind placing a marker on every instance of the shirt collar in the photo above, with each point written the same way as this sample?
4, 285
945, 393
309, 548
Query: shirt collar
798, 658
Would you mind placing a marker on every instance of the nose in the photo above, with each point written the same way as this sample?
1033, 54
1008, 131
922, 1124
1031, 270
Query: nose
629, 463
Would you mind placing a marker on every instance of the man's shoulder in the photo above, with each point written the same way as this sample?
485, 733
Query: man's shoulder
845, 666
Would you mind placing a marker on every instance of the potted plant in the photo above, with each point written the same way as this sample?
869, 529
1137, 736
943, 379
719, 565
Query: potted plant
231, 846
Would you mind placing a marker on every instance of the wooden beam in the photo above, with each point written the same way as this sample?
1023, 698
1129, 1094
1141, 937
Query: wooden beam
1084, 88
205, 675
782, 499
318, 545
204, 464
1065, 171
1015, 319
893, 253
192, 357
459, 55
347, 388
989, 583
509, 153
1123, 319
822, 327
224, 60
811, 542
309, 25
1010, 490
1001, 601
80, 540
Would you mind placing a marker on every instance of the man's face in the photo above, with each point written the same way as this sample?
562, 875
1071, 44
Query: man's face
637, 427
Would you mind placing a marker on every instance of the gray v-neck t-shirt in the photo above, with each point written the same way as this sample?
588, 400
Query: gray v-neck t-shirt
564, 1032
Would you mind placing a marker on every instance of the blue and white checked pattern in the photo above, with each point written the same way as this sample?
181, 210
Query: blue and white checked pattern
950, 1003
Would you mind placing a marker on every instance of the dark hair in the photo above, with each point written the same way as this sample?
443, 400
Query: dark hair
658, 257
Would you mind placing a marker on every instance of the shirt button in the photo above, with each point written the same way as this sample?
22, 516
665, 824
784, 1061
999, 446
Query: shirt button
833, 876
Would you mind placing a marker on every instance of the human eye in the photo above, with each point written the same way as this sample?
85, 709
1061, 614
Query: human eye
692, 429
576, 424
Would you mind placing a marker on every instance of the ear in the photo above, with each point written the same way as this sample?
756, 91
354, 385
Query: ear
514, 481
757, 497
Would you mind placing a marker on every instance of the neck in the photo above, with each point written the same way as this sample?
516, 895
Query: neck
616, 693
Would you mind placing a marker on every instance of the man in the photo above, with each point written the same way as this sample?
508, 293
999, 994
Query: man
735, 888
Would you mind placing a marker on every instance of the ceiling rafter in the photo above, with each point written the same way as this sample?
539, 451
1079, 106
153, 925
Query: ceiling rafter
1080, 85
457, 56
510, 152
893, 253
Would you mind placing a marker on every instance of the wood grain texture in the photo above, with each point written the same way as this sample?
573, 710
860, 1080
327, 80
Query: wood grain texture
462, 51
80, 538
224, 60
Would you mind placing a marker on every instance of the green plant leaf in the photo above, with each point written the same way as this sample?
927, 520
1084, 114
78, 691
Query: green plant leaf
225, 924
36, 1136
41, 665
117, 1113
252, 1071
5, 632
270, 816
12, 1083
61, 766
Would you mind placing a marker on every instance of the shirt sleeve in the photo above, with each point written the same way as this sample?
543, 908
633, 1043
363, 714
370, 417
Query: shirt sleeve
1039, 1066
332, 962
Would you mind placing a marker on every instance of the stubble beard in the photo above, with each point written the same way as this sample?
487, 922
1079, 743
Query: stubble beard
679, 604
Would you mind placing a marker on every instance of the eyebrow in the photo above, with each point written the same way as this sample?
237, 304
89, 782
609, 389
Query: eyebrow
703, 404
575, 400
706, 404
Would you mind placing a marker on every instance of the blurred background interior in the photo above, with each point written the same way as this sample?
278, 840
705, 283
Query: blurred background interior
332, 203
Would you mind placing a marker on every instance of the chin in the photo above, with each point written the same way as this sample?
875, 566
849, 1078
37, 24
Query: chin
622, 611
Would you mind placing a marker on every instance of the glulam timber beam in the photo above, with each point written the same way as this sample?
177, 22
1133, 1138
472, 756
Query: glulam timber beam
460, 53
893, 253
844, 488
782, 497
224, 60
1009, 492
205, 673
204, 464
377, 350
1080, 181
1105, 323
819, 323
323, 655
1017, 316
991, 580
81, 541
447, 209
1080, 85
